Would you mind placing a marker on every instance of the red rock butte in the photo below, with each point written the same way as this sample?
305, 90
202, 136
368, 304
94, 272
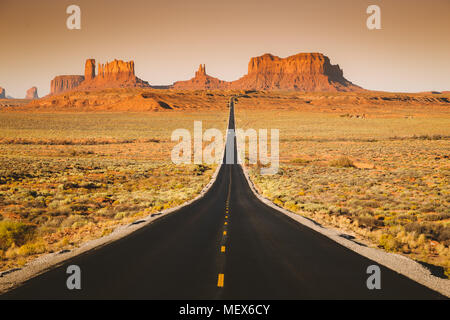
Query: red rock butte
302, 72
114, 74
65, 83
306, 72
32, 93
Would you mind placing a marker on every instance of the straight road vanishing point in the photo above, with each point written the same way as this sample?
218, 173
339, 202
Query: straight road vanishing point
226, 245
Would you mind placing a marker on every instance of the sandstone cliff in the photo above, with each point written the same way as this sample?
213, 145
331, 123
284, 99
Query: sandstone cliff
65, 83
201, 81
89, 69
32, 93
2, 93
114, 74
116, 69
302, 72
307, 72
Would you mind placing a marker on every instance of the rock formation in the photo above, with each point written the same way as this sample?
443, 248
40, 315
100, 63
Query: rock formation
2, 93
32, 93
301, 72
201, 71
114, 74
115, 70
89, 69
201, 81
65, 83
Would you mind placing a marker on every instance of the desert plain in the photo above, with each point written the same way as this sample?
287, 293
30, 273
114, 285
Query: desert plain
375, 165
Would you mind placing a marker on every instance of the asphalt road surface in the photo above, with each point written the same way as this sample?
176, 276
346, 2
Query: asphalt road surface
227, 245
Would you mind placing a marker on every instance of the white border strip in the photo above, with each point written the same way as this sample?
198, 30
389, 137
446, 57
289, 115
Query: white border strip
396, 262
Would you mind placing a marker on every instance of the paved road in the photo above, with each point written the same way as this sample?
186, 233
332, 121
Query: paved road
228, 245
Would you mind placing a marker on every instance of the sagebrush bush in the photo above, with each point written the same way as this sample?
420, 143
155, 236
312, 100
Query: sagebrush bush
370, 222
300, 161
342, 162
435, 232
14, 233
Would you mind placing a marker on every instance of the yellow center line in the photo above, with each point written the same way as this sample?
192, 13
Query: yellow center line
220, 280
222, 248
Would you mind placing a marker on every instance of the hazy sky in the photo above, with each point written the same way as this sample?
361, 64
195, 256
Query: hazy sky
169, 39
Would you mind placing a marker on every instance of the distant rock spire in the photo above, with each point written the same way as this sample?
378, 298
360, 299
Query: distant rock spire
201, 81
89, 69
201, 71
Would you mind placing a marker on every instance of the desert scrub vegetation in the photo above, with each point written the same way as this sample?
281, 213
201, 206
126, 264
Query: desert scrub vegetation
61, 203
14, 233
342, 162
387, 184
60, 189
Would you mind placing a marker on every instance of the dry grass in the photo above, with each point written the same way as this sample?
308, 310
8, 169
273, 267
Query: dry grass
342, 162
384, 178
374, 164
69, 178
